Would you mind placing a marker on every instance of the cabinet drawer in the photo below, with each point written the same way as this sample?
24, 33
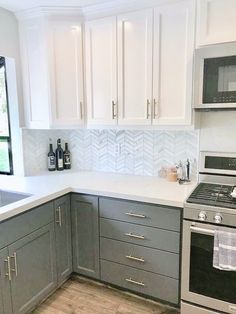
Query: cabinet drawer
144, 282
141, 235
139, 213
22, 225
156, 261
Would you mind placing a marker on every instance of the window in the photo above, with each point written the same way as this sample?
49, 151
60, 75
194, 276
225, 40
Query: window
6, 166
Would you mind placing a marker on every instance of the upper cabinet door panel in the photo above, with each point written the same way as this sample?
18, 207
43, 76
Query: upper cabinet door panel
135, 67
66, 73
101, 71
173, 59
35, 74
216, 21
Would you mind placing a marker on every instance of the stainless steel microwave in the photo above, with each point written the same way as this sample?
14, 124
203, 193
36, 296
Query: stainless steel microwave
215, 77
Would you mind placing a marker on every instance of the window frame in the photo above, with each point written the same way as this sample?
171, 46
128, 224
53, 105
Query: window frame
7, 138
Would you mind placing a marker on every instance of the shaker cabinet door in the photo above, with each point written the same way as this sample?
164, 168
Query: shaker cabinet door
66, 72
5, 291
173, 60
33, 268
63, 238
52, 71
216, 21
101, 71
85, 235
34, 74
135, 67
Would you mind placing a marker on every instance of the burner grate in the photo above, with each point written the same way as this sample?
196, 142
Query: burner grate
213, 194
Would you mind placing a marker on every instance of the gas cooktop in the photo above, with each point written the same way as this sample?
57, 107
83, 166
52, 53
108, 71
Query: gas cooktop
213, 195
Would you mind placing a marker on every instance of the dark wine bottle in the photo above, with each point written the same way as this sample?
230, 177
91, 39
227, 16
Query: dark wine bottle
51, 159
59, 156
67, 161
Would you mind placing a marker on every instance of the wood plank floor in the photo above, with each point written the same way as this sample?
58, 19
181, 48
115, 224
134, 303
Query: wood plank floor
82, 296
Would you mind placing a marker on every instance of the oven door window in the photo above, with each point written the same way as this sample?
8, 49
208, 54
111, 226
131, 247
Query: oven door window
204, 278
219, 83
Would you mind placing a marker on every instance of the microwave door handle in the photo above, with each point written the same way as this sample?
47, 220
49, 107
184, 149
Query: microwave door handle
202, 230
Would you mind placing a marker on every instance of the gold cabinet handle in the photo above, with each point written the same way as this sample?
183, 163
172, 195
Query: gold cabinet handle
138, 283
8, 273
155, 109
114, 113
148, 109
15, 269
59, 220
81, 110
135, 215
137, 259
141, 237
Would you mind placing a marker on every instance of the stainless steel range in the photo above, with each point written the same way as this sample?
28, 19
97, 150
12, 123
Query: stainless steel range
211, 206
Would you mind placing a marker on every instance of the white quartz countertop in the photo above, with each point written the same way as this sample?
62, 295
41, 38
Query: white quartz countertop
48, 186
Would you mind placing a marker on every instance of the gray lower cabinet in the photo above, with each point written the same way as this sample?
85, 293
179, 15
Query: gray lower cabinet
141, 235
140, 247
5, 289
85, 235
27, 259
153, 260
63, 238
152, 215
144, 282
33, 271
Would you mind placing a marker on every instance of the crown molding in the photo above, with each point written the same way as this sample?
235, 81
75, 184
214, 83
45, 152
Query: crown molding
115, 7
46, 11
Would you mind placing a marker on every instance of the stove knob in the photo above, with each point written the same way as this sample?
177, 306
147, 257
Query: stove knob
218, 218
202, 216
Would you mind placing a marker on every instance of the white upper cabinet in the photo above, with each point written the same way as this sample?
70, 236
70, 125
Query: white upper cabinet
101, 71
172, 63
66, 73
51, 51
135, 67
216, 21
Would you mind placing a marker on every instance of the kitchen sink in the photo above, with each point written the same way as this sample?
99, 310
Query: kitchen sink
8, 197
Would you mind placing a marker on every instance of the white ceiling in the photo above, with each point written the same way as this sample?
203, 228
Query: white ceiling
17, 5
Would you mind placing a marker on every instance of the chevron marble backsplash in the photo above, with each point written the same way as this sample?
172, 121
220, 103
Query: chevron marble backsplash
128, 152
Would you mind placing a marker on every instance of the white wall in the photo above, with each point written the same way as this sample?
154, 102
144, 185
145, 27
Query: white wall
9, 47
218, 131
9, 44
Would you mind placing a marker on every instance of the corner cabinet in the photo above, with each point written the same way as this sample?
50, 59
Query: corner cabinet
216, 21
52, 70
85, 235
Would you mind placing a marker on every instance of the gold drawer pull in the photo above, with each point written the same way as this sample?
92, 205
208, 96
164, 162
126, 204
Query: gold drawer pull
141, 237
148, 109
138, 283
156, 111
59, 220
114, 113
136, 215
8, 273
138, 259
15, 269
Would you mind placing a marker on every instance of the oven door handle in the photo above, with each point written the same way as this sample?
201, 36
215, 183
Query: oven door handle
202, 230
